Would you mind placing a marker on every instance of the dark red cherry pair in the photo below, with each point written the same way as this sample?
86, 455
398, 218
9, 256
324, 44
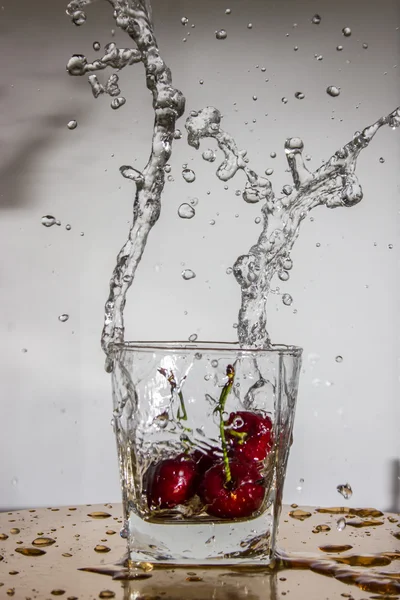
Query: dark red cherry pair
174, 481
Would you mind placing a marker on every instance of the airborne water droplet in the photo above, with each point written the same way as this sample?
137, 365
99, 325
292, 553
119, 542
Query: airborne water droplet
185, 211
316, 19
345, 490
209, 155
193, 337
184, 21
72, 124
339, 48
346, 31
283, 275
287, 190
63, 318
79, 17
68, 227
49, 221
188, 274
96, 46
250, 26
284, 100
341, 524
188, 175
299, 95
287, 263
287, 299
333, 91
130, 173
273, 154
365, 46
117, 102
339, 358
221, 34
257, 220
381, 160
269, 171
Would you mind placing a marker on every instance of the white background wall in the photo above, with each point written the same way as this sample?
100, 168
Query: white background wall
56, 441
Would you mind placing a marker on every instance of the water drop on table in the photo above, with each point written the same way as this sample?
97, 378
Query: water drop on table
49, 221
188, 274
63, 318
287, 299
188, 175
316, 19
96, 46
333, 91
193, 337
339, 358
346, 31
345, 490
299, 95
185, 211
209, 155
341, 524
117, 102
221, 34
72, 124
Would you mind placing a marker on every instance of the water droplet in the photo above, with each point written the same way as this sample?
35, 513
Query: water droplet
57, 592
339, 358
269, 171
194, 201
68, 227
318, 244
300, 485
30, 551
273, 154
24, 350
177, 134
283, 275
235, 326
209, 155
284, 100
43, 541
107, 594
3, 536
101, 548
184, 21
49, 221
287, 299
299, 95
188, 274
130, 173
193, 337
229, 270
72, 124
341, 524
316, 19
365, 46
212, 222
185, 211
345, 490
381, 160
346, 31
99, 515
257, 220
339, 48
318, 56
254, 98
117, 102
287, 190
188, 175
221, 34
210, 540
14, 481
390, 246
295, 48
333, 91
287, 263
300, 515
79, 18
96, 46
63, 318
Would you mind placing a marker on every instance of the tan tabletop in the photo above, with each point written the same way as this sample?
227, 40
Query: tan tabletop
88, 537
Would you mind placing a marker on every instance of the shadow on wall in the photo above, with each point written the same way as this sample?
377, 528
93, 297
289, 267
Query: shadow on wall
395, 486
20, 158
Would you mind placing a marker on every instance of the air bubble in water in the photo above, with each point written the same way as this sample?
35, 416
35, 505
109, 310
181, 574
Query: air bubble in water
184, 21
299, 95
185, 211
345, 490
221, 34
316, 19
117, 102
346, 31
72, 124
209, 155
96, 46
63, 318
79, 17
193, 337
333, 91
188, 274
188, 175
339, 358
287, 299
341, 524
49, 221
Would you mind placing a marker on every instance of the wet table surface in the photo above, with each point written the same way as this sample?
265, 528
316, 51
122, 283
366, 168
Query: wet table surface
42, 552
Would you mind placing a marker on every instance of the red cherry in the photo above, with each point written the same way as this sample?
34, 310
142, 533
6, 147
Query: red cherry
249, 435
205, 460
172, 481
241, 497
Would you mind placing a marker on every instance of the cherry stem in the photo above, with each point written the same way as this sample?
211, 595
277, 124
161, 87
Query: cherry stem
230, 372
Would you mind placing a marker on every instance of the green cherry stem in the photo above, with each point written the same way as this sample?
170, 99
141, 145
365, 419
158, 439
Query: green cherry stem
230, 372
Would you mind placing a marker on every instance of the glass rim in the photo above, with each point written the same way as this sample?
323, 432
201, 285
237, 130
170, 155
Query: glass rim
204, 346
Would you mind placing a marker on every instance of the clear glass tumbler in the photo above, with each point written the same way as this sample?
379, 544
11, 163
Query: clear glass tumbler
203, 435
